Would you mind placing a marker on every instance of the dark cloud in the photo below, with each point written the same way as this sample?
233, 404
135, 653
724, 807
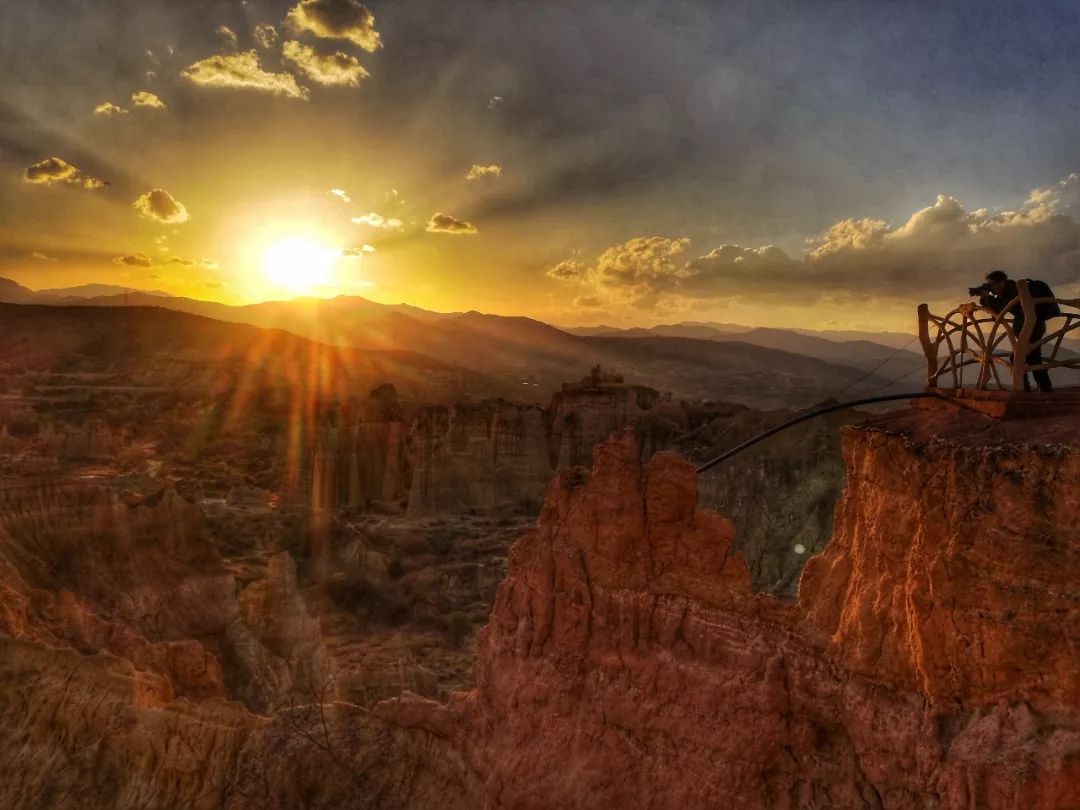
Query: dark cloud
57, 170
162, 206
569, 270
336, 19
134, 260
228, 37
445, 223
266, 35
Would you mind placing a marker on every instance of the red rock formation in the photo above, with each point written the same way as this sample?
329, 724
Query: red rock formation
931, 662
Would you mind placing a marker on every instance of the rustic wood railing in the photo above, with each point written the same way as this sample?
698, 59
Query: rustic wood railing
985, 341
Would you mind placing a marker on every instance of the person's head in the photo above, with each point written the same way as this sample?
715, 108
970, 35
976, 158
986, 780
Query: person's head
996, 280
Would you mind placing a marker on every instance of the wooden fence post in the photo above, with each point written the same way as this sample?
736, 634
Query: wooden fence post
929, 347
1023, 339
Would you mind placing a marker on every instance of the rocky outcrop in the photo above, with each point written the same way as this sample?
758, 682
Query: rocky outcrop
142, 582
930, 662
486, 456
780, 494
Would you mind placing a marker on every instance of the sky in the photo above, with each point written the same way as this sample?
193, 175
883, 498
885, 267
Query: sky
811, 163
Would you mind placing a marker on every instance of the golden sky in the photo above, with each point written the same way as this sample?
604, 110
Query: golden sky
624, 163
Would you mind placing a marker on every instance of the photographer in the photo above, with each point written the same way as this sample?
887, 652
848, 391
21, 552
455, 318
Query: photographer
996, 294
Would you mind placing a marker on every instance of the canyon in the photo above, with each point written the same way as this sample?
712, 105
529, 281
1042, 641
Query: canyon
930, 659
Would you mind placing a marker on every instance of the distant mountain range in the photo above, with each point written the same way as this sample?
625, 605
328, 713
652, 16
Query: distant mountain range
529, 359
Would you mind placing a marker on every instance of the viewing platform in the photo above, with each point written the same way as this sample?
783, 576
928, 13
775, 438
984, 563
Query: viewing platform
977, 359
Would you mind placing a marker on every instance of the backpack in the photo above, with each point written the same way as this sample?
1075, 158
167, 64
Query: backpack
1048, 309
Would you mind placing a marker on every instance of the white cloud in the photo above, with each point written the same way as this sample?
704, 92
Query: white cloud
379, 221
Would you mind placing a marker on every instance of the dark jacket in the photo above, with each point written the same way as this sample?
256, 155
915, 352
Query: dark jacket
1038, 289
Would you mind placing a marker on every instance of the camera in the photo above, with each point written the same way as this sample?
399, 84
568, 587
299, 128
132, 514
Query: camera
982, 289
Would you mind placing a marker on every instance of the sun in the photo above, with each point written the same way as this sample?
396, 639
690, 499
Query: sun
299, 264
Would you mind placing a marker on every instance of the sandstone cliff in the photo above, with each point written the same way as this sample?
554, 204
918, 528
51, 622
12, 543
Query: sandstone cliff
930, 662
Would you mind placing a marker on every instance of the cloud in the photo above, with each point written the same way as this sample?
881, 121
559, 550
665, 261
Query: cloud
209, 264
37, 254
569, 270
355, 253
144, 98
134, 260
331, 70
266, 35
494, 102
588, 302
336, 19
1061, 198
160, 205
445, 223
182, 262
340, 192
638, 270
379, 221
478, 172
57, 170
242, 71
109, 110
229, 36
934, 255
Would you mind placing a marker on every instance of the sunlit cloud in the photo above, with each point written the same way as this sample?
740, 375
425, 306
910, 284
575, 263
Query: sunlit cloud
266, 35
478, 172
144, 98
494, 102
109, 110
379, 221
160, 205
336, 19
134, 260
355, 253
939, 250
340, 192
332, 70
569, 270
445, 223
57, 170
228, 36
41, 257
242, 71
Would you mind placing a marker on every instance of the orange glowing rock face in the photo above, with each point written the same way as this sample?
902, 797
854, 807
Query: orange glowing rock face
627, 663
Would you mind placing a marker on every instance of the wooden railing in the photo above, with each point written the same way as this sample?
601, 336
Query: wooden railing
984, 341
